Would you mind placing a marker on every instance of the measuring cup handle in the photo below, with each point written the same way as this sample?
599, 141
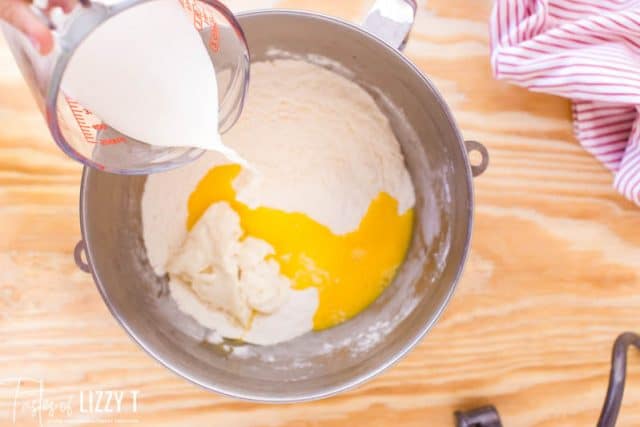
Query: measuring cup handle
391, 20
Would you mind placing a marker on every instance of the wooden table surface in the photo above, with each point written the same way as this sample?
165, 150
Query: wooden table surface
553, 275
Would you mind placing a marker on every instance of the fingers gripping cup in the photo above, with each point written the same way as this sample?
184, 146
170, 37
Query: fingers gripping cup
141, 86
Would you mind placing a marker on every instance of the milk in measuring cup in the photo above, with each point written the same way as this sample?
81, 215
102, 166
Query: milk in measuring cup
146, 73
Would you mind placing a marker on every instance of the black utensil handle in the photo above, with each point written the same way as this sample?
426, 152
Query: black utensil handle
617, 377
488, 415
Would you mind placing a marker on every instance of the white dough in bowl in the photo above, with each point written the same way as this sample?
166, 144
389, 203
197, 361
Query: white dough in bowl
226, 272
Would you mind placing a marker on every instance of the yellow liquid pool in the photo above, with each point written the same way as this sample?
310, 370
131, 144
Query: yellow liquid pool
350, 271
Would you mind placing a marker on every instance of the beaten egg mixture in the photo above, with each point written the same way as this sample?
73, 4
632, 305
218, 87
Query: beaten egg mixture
307, 240
349, 271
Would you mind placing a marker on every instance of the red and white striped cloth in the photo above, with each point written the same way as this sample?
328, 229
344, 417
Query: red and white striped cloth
585, 50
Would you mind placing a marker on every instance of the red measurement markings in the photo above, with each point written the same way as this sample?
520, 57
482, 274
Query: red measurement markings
84, 118
214, 37
112, 141
203, 18
80, 114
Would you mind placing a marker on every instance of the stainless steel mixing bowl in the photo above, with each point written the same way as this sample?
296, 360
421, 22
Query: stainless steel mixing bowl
320, 364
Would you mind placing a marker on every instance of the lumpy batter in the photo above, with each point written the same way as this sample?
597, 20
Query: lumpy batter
325, 224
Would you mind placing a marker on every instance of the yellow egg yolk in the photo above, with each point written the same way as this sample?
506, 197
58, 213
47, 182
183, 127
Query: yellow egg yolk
350, 270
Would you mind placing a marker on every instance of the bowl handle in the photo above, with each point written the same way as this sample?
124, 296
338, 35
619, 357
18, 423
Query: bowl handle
478, 169
79, 253
391, 21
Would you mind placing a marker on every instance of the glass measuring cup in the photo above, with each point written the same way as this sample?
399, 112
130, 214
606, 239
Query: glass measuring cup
84, 136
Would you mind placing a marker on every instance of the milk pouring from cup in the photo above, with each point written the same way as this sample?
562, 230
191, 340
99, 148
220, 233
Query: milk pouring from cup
142, 87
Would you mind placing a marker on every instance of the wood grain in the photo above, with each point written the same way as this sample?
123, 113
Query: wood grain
552, 278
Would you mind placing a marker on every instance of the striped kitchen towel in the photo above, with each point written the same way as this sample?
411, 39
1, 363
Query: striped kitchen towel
585, 50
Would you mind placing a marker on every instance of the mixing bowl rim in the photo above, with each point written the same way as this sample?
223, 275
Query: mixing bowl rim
350, 383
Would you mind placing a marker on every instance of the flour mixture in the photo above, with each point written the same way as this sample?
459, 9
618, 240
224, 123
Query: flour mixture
310, 238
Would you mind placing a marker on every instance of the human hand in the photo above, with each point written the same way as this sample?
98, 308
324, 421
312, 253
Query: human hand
19, 14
